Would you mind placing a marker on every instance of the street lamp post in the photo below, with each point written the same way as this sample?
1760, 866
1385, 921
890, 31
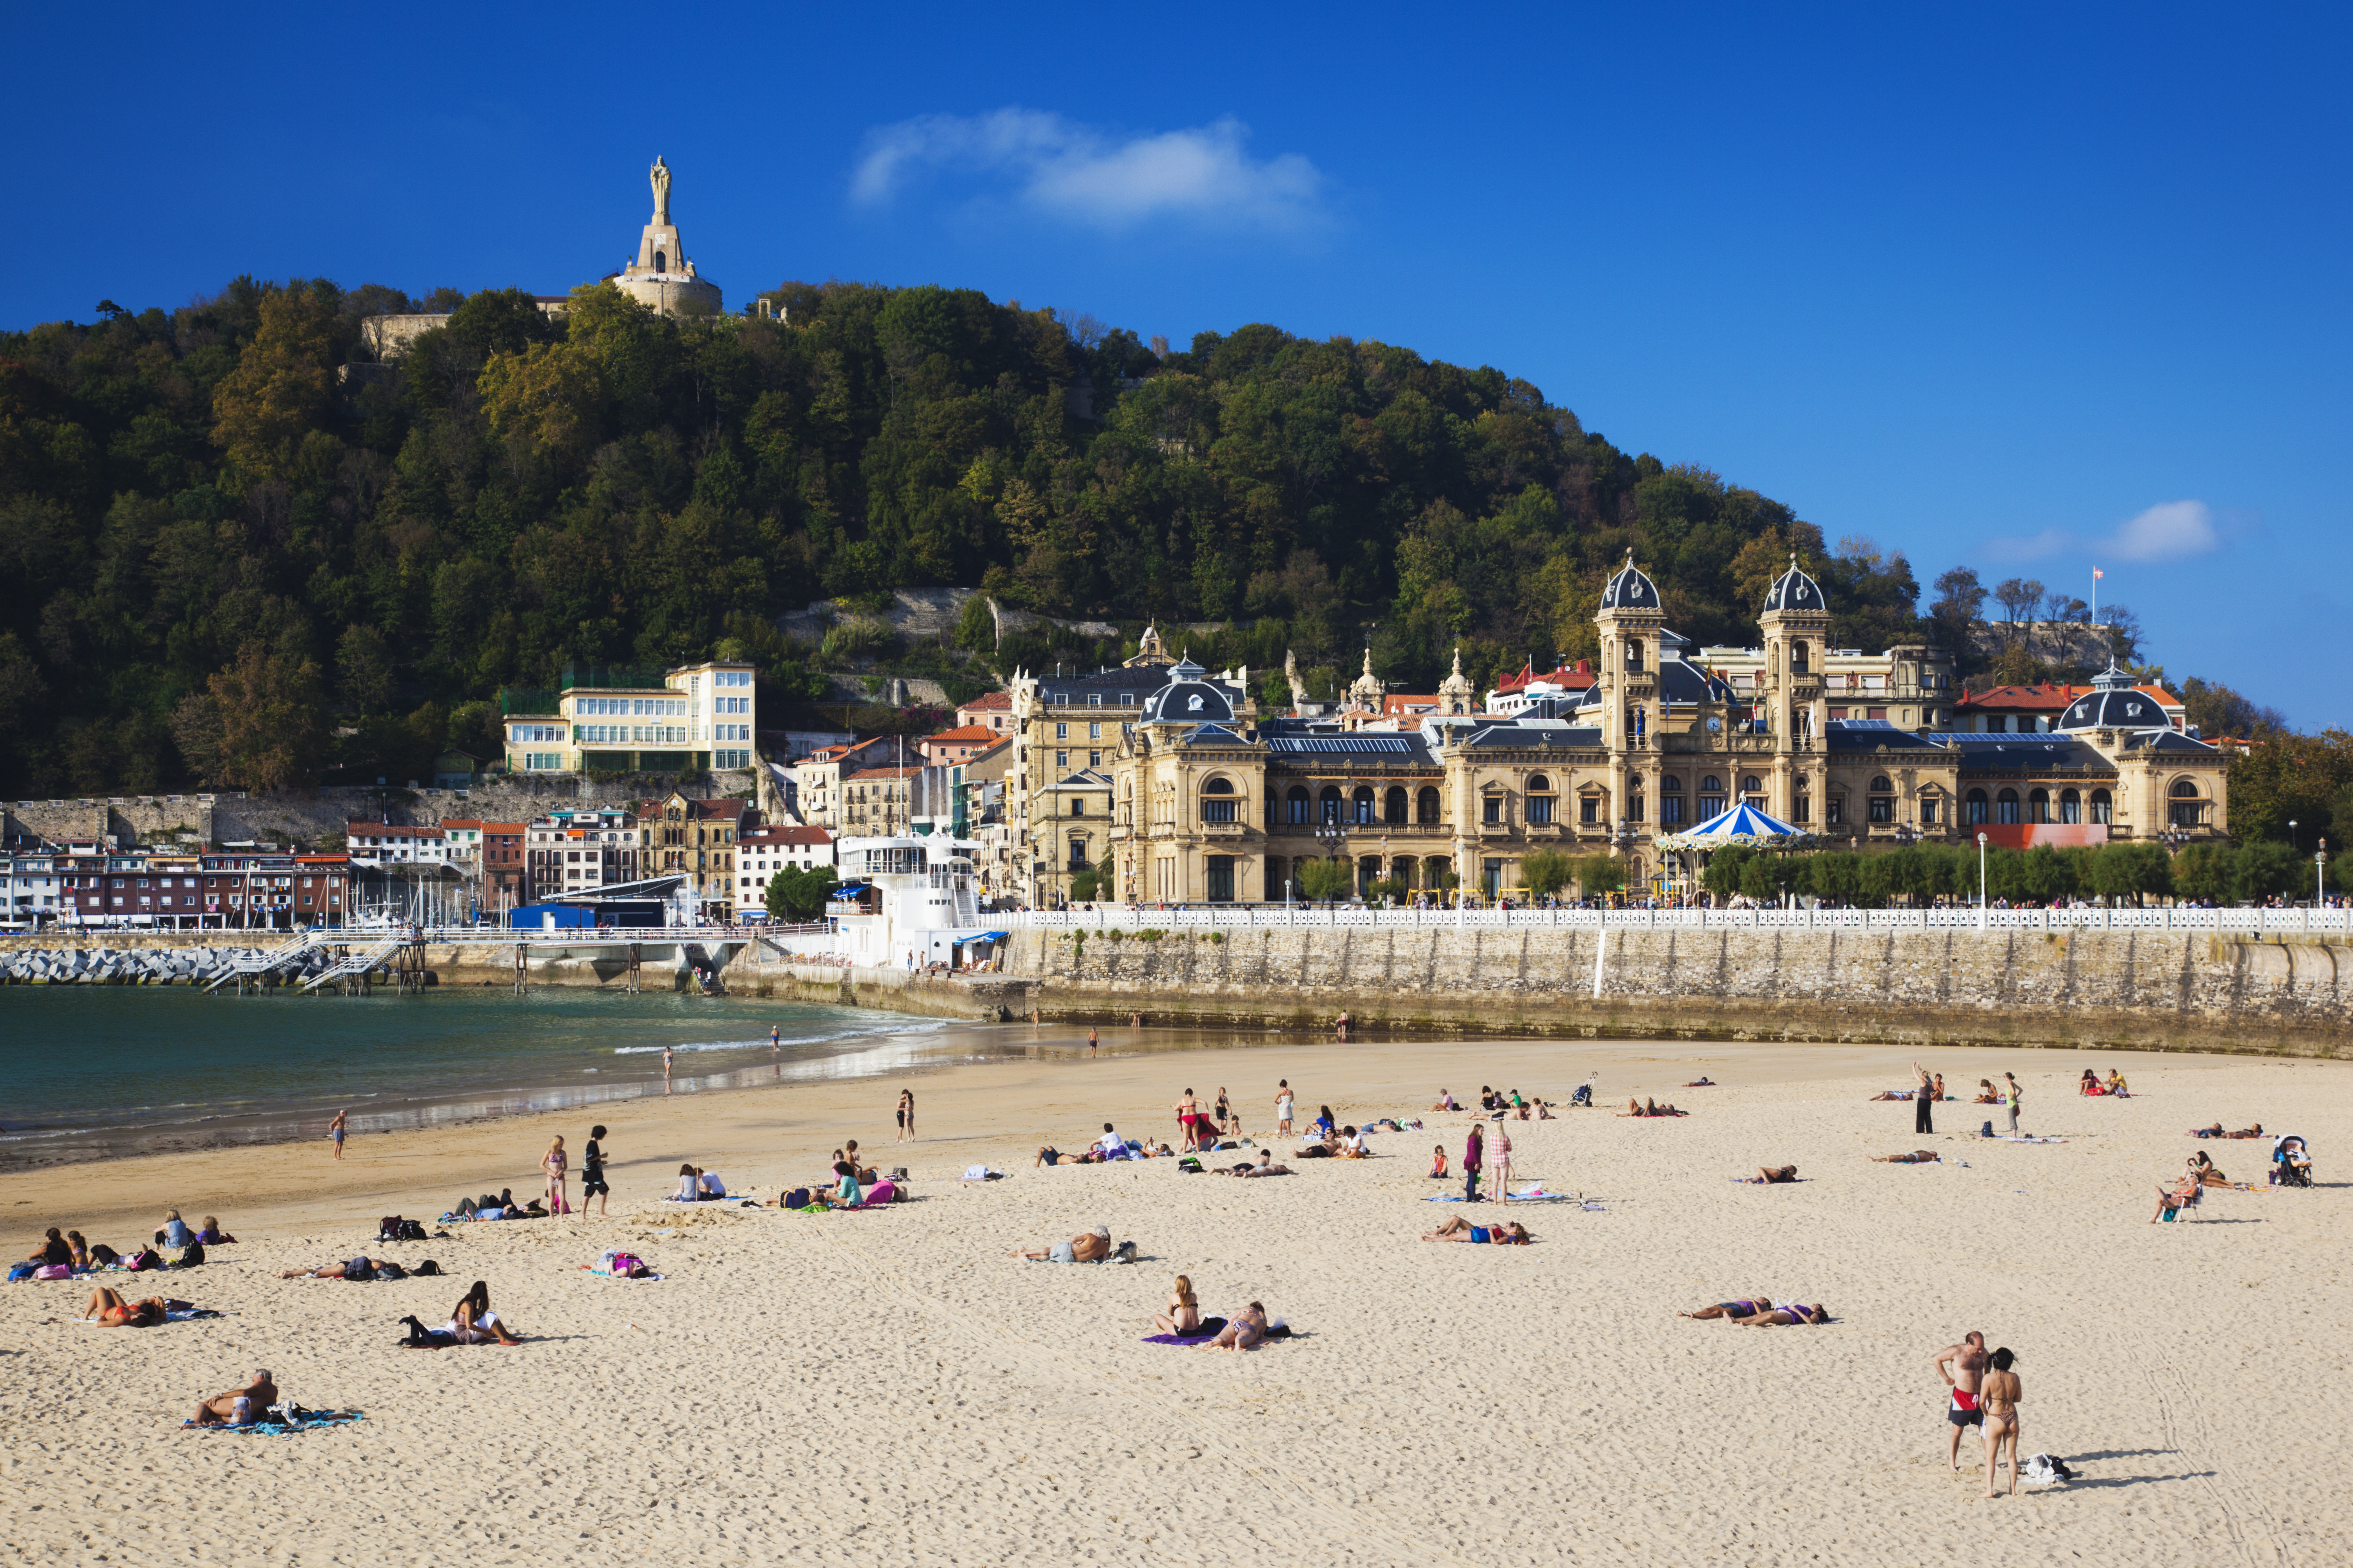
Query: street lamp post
1332, 838
2319, 869
1981, 882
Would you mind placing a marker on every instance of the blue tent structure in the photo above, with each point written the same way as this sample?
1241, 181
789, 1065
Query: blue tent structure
1744, 824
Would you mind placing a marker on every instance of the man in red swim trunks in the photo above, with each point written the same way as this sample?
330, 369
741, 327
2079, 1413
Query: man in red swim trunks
1967, 1364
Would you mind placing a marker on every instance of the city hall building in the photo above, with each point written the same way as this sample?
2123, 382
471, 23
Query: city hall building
1210, 803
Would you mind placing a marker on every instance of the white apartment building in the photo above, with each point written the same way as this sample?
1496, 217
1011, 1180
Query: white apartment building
762, 852
695, 716
31, 888
570, 852
381, 844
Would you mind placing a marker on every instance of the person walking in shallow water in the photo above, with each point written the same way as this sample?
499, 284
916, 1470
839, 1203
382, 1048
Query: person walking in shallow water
665, 1069
335, 1129
1093, 1045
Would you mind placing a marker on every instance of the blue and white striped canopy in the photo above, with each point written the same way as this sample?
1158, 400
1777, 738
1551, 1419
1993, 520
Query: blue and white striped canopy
1744, 824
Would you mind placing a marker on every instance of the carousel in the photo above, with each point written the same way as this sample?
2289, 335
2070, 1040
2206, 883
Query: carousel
1742, 823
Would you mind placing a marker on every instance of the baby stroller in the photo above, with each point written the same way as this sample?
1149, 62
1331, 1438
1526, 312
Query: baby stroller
2291, 1162
1584, 1095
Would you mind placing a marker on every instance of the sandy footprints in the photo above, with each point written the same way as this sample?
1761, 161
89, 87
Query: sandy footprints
1295, 1499
2253, 1533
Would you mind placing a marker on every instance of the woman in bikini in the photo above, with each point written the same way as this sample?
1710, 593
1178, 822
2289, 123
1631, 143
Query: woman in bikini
1998, 1399
1512, 1233
556, 1162
2206, 1171
1228, 1123
1189, 1116
1747, 1309
110, 1309
1183, 1313
1785, 1313
1242, 1330
473, 1322
1771, 1175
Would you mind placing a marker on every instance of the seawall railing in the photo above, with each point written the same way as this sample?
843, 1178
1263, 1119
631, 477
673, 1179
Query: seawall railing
1251, 917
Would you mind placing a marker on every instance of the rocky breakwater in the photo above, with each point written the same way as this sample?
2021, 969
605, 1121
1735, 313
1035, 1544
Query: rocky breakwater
144, 965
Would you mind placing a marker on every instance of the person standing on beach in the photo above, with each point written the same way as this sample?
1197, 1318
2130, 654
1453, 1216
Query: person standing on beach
555, 1163
592, 1172
775, 1044
335, 1132
1340, 1029
1499, 1162
1967, 1361
665, 1069
1924, 1101
906, 1116
1283, 1106
1228, 1123
2011, 1093
1188, 1117
1093, 1045
1474, 1148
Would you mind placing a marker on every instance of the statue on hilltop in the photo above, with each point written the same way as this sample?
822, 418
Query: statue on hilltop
661, 190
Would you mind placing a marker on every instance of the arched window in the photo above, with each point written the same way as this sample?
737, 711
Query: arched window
2038, 805
661, 261
1671, 800
2184, 789
1425, 806
2103, 807
1217, 787
1974, 807
1882, 807
1540, 800
1393, 806
1329, 803
1295, 804
2185, 809
1879, 784
1798, 665
2005, 807
1752, 790
2071, 806
1363, 804
1218, 802
1711, 797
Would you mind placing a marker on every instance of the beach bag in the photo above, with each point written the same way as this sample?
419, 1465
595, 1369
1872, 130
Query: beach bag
428, 1266
389, 1227
54, 1271
391, 1271
146, 1257
18, 1272
2045, 1471
412, 1230
190, 1255
1191, 1163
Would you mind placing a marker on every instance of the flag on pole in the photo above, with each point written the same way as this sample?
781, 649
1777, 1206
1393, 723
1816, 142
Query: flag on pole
2097, 573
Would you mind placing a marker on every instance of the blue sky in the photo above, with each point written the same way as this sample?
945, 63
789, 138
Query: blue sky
2030, 289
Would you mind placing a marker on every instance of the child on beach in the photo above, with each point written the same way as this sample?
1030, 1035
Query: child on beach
1438, 1163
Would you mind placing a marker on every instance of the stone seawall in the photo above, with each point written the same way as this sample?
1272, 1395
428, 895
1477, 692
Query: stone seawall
191, 958
2110, 989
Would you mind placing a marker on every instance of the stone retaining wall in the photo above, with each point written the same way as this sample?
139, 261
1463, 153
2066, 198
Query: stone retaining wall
2136, 990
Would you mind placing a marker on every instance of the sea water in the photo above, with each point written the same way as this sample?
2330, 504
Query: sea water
90, 1072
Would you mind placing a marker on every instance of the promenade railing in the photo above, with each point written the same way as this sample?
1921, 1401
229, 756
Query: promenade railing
1250, 917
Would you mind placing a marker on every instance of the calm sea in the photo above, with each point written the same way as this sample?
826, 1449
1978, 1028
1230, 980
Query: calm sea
90, 1073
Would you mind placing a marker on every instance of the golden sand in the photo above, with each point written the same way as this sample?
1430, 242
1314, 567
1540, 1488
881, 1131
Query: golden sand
889, 1387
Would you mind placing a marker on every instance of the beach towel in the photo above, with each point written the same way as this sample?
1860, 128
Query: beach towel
982, 1173
2022, 1138
296, 1419
1210, 1330
175, 1315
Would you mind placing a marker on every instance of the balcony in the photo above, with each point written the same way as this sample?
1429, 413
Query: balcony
1220, 831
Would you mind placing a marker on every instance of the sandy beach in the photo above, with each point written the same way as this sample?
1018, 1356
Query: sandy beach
890, 1387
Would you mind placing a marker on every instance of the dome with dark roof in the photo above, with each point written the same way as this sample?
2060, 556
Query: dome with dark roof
1793, 590
1189, 702
2115, 703
1630, 590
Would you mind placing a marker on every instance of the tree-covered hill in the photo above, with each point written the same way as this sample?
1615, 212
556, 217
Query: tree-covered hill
226, 565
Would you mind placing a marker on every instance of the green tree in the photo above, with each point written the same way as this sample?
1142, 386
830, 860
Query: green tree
272, 720
284, 382
1599, 874
1545, 872
1084, 887
1325, 881
798, 895
2206, 872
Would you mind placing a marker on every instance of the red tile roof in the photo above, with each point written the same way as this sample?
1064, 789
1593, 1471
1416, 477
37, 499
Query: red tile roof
786, 835
964, 735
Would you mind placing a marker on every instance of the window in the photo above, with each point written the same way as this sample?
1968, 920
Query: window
1061, 759
1797, 656
2184, 808
1095, 699
2038, 807
2005, 807
1219, 803
1393, 806
1973, 807
1882, 808
2071, 806
1634, 657
1078, 805
1539, 810
1362, 804
1061, 732
1295, 806
1633, 805
1426, 809
1078, 851
1328, 804
2103, 808
1094, 759
1491, 809
1710, 797
1221, 878
1589, 810
1671, 810
1837, 811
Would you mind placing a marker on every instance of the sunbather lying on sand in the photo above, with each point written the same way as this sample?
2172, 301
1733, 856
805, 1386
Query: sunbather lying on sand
1748, 1308
1892, 1094
1917, 1157
1510, 1234
239, 1406
1785, 1313
1702, 1081
1243, 1329
1091, 1247
2216, 1131
1771, 1175
108, 1310
1265, 1167
357, 1269
1651, 1108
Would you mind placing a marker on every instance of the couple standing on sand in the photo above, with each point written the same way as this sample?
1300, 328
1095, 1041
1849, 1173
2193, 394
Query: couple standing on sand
1985, 1394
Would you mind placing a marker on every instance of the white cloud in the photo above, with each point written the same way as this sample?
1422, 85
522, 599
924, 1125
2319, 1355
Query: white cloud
1086, 176
2165, 532
2168, 532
